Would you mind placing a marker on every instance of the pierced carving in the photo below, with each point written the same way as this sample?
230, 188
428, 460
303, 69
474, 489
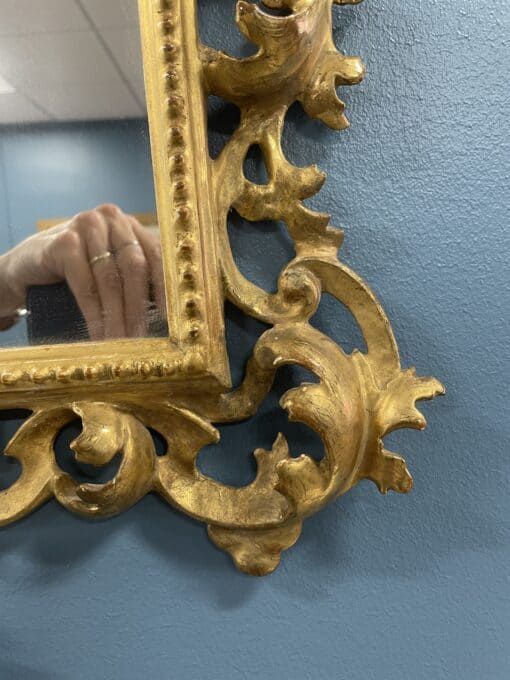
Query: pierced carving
359, 398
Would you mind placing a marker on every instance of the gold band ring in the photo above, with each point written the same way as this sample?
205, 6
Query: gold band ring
100, 258
127, 245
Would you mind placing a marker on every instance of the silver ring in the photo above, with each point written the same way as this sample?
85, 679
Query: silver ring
127, 245
100, 258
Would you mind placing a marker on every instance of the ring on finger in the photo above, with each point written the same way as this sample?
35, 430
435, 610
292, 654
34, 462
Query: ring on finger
101, 258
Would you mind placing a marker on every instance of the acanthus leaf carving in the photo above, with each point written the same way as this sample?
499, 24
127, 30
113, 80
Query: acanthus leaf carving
107, 432
358, 398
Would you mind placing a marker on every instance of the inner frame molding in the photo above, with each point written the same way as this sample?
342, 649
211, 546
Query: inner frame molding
180, 387
196, 347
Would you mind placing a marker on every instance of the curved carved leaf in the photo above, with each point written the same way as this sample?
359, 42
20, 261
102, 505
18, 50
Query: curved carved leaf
32, 446
257, 553
320, 99
393, 405
179, 481
396, 404
295, 52
364, 394
281, 198
297, 61
108, 431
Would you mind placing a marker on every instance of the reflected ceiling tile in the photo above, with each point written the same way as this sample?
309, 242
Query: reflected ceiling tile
139, 89
5, 87
126, 47
16, 108
95, 101
39, 16
112, 13
52, 59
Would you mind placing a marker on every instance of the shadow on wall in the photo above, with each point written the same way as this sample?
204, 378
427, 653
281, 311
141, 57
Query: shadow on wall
353, 537
19, 671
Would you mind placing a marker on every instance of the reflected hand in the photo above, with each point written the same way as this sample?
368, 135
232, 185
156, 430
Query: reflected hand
109, 261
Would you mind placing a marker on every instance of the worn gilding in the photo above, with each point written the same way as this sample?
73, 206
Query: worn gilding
180, 387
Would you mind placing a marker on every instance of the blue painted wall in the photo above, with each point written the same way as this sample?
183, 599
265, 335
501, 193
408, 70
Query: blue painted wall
389, 588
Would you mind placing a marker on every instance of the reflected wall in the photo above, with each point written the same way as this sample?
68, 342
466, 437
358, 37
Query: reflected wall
57, 170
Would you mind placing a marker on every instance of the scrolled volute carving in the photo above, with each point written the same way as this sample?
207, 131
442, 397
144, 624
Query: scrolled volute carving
358, 398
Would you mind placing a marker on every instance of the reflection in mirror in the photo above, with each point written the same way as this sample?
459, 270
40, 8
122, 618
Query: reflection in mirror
79, 242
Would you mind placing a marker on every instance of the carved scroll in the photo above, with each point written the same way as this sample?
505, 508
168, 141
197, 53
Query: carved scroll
358, 399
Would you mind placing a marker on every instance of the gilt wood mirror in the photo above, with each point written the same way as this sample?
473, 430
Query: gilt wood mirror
143, 347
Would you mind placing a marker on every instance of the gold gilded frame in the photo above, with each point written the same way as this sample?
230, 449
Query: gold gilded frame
181, 386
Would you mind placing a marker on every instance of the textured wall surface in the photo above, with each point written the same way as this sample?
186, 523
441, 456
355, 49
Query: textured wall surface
384, 588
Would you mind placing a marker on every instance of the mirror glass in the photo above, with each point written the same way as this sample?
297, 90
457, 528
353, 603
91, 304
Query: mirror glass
80, 250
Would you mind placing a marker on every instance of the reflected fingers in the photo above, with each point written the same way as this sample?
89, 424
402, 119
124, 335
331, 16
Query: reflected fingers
95, 230
134, 270
79, 277
151, 245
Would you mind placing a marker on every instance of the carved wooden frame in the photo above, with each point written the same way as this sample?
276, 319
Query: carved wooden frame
181, 386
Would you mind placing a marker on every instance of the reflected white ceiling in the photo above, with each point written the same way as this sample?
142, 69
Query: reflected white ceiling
69, 60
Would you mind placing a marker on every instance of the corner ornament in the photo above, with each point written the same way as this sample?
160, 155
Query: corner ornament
359, 398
